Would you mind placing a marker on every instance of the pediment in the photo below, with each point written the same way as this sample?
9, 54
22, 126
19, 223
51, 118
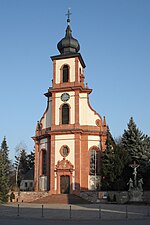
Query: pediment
64, 164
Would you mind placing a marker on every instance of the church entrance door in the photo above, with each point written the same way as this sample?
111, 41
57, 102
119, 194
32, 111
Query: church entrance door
65, 184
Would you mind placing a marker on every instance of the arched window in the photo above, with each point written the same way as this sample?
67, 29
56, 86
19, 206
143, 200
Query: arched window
65, 114
65, 74
43, 162
94, 162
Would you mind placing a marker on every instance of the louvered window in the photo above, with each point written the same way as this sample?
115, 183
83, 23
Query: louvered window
65, 114
65, 74
44, 162
94, 162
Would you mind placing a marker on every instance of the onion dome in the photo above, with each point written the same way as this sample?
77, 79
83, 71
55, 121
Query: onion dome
68, 44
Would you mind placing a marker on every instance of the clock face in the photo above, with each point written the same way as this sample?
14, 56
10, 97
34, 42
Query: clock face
65, 97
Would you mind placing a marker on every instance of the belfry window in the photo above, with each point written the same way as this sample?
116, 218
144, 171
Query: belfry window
65, 114
94, 162
43, 162
65, 74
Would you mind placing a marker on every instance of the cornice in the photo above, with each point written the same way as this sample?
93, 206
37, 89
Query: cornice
66, 56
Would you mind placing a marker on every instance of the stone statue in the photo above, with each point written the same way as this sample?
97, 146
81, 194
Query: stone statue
130, 183
140, 183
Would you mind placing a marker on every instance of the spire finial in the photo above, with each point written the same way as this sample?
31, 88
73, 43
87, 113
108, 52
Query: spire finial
68, 44
68, 14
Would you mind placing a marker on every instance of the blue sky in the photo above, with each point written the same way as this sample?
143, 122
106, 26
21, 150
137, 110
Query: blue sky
114, 36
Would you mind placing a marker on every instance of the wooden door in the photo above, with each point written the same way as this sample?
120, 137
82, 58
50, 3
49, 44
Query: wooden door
64, 184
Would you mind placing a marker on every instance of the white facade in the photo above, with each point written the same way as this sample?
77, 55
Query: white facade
59, 103
46, 120
93, 141
68, 140
87, 115
27, 185
60, 63
43, 144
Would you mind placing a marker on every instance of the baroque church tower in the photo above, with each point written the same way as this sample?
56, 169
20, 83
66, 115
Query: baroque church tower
71, 135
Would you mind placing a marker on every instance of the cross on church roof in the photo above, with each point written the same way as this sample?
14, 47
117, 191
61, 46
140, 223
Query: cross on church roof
68, 14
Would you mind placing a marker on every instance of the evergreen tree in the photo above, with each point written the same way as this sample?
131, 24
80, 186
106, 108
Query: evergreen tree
20, 156
116, 160
4, 170
107, 164
112, 165
136, 144
30, 160
146, 144
145, 169
133, 142
23, 163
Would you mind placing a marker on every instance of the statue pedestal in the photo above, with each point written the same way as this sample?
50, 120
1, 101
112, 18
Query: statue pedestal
135, 195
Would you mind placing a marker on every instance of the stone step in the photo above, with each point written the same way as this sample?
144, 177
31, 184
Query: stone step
62, 199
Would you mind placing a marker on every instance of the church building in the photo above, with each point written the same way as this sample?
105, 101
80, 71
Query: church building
70, 135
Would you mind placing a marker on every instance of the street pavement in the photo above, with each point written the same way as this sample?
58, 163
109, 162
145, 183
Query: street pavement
105, 214
23, 221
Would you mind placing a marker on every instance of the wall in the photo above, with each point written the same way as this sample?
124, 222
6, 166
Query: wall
87, 115
60, 63
61, 140
96, 197
29, 196
46, 119
58, 104
121, 197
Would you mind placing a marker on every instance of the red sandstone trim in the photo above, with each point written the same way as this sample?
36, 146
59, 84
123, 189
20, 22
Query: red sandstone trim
53, 109
52, 163
70, 87
76, 70
77, 161
76, 109
54, 71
